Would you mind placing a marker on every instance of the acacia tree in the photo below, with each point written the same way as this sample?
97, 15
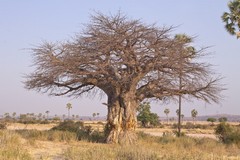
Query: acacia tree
126, 60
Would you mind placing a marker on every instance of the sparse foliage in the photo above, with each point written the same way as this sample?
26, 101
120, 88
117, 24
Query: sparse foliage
128, 61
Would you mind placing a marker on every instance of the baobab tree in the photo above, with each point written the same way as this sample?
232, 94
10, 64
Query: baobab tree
126, 60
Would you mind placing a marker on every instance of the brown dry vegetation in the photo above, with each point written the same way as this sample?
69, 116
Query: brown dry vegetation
57, 145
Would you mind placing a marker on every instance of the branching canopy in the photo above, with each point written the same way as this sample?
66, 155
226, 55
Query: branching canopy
115, 53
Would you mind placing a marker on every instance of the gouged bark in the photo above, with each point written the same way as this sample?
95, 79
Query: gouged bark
122, 121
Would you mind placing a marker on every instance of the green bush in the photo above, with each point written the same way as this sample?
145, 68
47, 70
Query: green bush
228, 134
146, 117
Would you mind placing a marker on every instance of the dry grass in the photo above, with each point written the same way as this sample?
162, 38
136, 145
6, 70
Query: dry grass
60, 145
11, 147
21, 126
154, 148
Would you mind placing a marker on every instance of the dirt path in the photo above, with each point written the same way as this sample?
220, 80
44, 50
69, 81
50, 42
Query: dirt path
196, 135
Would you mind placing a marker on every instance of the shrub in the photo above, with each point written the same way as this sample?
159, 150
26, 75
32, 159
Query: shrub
146, 117
212, 120
3, 126
228, 134
222, 119
190, 125
82, 132
69, 125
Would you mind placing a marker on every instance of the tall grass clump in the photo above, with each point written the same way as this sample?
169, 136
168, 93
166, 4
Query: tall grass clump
11, 147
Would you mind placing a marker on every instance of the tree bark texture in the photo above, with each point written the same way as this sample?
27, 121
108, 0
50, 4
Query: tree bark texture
122, 120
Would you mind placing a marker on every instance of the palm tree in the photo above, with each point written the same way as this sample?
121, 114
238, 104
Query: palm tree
94, 115
194, 113
167, 111
182, 116
69, 106
47, 112
63, 116
177, 112
14, 115
40, 116
187, 55
232, 19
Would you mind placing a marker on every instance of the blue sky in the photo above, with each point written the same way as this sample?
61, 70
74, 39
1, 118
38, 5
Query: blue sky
26, 23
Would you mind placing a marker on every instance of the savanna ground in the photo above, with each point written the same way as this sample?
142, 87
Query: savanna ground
38, 142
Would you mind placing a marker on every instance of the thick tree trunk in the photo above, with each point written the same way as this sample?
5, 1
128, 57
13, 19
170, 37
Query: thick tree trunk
122, 120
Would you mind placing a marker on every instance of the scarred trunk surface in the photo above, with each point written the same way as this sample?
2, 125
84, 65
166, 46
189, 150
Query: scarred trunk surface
122, 120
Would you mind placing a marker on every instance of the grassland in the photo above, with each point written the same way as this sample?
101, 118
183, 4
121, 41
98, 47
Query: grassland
28, 143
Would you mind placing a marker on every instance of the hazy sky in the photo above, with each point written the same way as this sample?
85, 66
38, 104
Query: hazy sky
26, 23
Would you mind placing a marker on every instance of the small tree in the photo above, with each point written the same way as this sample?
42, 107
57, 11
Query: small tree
47, 112
14, 115
63, 116
177, 112
194, 114
145, 116
40, 116
69, 106
94, 115
182, 116
167, 111
212, 120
